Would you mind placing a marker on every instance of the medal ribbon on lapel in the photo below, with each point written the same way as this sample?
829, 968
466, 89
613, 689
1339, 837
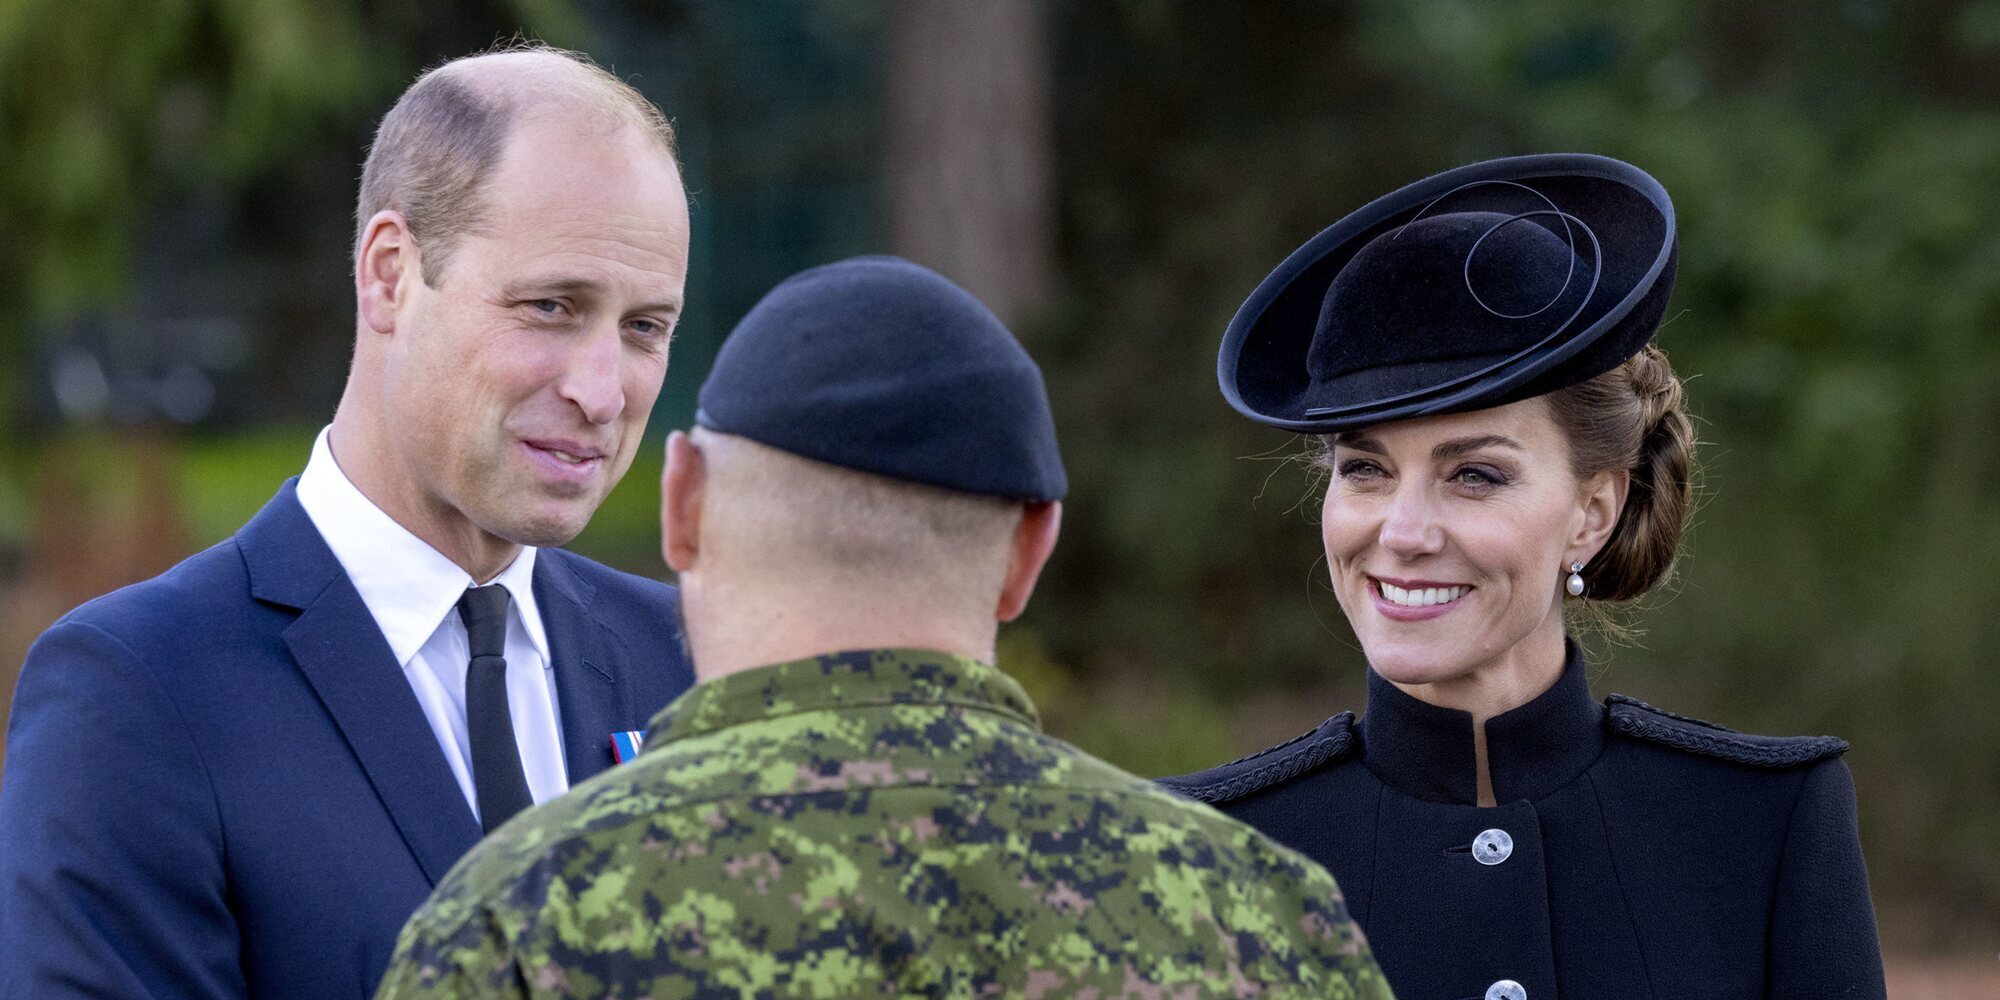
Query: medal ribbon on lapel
626, 745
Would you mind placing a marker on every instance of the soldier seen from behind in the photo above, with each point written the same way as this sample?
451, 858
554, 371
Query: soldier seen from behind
853, 800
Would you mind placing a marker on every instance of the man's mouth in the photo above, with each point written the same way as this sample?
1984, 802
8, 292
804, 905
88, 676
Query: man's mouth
566, 461
570, 452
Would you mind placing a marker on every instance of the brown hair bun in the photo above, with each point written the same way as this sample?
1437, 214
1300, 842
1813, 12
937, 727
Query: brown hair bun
1633, 417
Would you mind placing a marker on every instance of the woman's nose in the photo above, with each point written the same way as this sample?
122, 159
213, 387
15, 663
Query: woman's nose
1410, 526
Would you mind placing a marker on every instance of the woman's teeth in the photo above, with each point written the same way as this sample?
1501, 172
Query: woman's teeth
1421, 597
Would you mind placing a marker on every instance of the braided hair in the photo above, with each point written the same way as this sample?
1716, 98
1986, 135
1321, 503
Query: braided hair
1633, 417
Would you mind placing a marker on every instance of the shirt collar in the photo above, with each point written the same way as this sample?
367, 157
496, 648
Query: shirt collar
1532, 750
408, 586
841, 680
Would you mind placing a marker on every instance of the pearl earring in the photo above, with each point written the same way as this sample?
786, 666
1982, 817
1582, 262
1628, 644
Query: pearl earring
1575, 582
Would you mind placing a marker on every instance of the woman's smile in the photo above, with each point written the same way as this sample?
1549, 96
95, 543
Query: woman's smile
1444, 535
1415, 600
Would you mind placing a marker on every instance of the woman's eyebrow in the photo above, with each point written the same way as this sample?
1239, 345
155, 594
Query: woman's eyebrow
1448, 449
1350, 439
1460, 446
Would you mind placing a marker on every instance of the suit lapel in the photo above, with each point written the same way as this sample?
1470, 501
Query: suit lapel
589, 660
343, 655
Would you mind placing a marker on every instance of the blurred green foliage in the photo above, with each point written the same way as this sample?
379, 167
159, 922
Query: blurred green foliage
114, 98
1833, 167
110, 109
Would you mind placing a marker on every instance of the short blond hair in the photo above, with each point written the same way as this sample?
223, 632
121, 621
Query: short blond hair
776, 514
438, 145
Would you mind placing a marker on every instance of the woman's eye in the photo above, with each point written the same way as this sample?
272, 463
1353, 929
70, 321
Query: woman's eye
1358, 468
1479, 477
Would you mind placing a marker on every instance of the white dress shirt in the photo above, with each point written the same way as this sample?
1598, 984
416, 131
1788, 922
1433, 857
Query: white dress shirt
412, 591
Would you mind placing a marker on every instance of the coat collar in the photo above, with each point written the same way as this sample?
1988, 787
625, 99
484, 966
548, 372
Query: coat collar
289, 563
1533, 750
589, 659
839, 681
350, 666
409, 586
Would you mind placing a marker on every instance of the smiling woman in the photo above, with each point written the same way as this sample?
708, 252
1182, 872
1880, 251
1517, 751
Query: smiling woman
1506, 445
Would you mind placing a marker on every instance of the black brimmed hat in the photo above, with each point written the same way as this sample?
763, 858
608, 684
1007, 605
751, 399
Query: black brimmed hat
882, 366
1490, 283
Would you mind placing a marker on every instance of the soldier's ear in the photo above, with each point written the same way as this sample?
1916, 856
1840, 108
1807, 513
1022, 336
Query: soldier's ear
1034, 540
680, 502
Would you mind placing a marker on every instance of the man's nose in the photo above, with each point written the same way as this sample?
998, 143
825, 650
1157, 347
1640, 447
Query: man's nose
1410, 526
593, 375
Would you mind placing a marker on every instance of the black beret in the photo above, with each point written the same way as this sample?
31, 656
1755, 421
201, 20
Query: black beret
1482, 285
879, 365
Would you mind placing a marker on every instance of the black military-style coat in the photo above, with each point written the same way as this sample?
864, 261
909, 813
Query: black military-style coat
1634, 853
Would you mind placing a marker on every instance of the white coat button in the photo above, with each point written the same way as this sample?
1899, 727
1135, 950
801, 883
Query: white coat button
1506, 989
1490, 848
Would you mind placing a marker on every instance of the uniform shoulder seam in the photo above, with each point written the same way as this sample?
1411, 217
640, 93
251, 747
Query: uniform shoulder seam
1635, 719
1323, 745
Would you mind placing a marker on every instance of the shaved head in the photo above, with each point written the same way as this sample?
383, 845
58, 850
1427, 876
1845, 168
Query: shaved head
774, 516
437, 147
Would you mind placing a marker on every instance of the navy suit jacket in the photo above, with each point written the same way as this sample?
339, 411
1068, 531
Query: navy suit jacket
1647, 856
219, 783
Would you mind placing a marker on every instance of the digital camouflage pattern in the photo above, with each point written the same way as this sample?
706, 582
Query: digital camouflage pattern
878, 823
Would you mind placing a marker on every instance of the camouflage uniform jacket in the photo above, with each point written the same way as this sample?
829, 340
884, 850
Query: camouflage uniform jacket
877, 823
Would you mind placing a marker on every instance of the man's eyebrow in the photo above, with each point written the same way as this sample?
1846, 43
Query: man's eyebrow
671, 305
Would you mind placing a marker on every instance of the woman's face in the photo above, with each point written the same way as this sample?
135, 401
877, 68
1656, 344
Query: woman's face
1449, 537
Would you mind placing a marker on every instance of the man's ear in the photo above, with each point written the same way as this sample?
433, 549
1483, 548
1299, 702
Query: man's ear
680, 502
1034, 540
1603, 501
384, 266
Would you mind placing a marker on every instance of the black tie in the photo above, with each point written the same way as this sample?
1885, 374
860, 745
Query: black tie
497, 780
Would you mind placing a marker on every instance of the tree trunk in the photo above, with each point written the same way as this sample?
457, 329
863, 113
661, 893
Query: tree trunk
971, 147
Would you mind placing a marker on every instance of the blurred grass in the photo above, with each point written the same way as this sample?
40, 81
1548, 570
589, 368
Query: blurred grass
225, 479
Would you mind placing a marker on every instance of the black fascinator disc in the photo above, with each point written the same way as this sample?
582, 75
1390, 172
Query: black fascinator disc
1490, 283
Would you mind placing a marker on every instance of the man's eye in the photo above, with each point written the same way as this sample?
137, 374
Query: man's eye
547, 307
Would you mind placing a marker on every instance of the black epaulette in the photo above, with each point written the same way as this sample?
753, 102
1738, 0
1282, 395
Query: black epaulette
1331, 741
1639, 720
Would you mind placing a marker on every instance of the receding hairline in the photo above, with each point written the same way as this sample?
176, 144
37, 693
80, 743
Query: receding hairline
497, 92
525, 80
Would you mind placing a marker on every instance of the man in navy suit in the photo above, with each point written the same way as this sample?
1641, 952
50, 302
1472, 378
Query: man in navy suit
239, 778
